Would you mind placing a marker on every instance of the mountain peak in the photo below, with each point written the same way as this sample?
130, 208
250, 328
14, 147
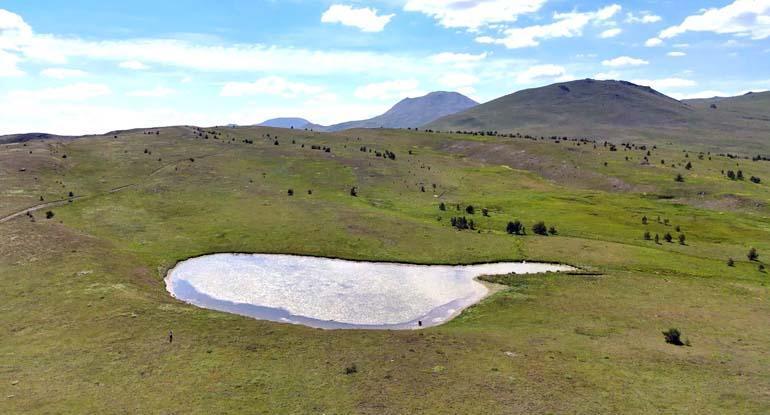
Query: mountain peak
414, 112
580, 107
286, 122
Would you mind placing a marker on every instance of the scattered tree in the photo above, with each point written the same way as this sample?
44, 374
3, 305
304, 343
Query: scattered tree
470, 210
354, 191
552, 230
682, 239
291, 192
730, 262
753, 255
644, 220
673, 336
668, 237
442, 207
647, 236
462, 223
49, 215
679, 178
539, 228
515, 228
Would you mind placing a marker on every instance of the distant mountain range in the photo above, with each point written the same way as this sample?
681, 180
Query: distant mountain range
620, 110
613, 110
298, 123
408, 113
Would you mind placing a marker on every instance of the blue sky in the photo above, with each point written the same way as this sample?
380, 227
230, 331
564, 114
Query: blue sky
74, 67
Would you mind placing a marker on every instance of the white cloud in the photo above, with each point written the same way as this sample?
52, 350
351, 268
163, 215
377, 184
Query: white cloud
542, 72
134, 65
610, 33
458, 80
653, 42
364, 18
9, 64
745, 18
271, 85
12, 26
623, 61
390, 90
63, 73
473, 14
643, 17
665, 84
607, 76
703, 94
75, 92
565, 25
676, 54
142, 53
457, 59
157, 92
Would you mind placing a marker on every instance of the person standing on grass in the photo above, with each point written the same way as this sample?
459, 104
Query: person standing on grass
170, 336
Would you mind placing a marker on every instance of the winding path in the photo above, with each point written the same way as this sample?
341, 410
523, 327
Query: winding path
113, 190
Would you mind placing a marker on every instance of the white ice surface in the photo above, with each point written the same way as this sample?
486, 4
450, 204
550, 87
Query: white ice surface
361, 293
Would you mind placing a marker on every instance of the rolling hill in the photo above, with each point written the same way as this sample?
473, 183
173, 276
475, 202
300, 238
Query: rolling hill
752, 105
413, 112
620, 110
286, 123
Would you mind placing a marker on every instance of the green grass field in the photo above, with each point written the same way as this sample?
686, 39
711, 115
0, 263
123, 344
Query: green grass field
84, 313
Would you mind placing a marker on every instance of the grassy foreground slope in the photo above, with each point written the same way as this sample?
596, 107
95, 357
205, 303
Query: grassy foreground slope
84, 313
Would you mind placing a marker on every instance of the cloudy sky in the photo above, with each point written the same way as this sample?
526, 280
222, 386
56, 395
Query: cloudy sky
88, 66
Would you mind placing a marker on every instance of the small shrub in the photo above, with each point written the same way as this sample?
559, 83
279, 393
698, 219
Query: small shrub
552, 230
753, 255
351, 369
730, 262
49, 215
470, 210
515, 228
673, 336
540, 229
647, 236
442, 207
354, 191
679, 178
668, 237
682, 240
291, 192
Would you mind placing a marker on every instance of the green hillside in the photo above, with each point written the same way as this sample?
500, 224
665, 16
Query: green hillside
619, 110
84, 312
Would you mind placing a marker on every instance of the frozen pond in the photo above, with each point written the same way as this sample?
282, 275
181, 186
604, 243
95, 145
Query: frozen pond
334, 293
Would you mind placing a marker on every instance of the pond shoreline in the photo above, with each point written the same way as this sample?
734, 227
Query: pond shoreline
337, 293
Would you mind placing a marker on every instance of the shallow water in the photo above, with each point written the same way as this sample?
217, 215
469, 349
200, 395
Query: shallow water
333, 293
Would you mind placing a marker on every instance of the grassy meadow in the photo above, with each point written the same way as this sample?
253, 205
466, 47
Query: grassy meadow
84, 313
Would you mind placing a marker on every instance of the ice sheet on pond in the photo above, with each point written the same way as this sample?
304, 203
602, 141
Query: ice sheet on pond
333, 293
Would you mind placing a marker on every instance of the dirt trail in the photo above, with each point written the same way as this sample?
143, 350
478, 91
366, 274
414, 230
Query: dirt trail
38, 207
113, 190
